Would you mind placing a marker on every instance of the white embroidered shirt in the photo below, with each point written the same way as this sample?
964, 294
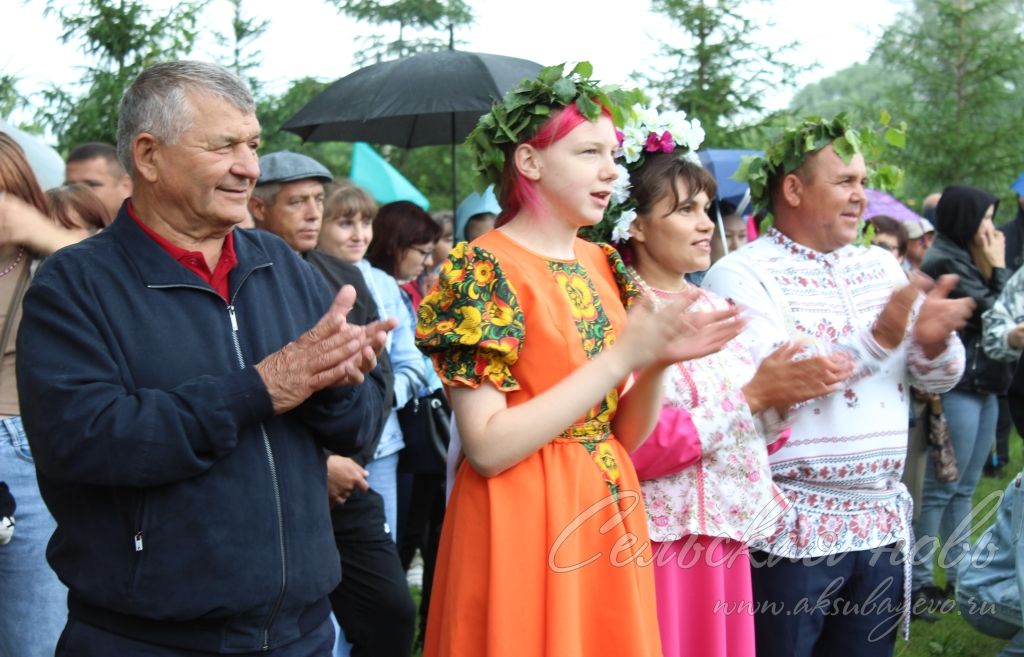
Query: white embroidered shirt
842, 465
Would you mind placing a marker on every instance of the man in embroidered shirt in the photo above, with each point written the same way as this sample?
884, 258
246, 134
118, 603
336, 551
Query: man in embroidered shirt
180, 381
805, 280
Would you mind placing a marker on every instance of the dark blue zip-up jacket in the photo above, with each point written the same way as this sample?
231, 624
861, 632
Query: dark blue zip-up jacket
188, 514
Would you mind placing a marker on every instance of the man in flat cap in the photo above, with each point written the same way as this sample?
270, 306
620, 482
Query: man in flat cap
372, 603
180, 381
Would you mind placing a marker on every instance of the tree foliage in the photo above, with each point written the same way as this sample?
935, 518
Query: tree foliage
719, 73
120, 39
861, 91
244, 32
422, 26
964, 109
438, 18
274, 111
10, 98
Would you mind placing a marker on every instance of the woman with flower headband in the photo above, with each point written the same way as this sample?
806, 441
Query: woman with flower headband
704, 470
544, 536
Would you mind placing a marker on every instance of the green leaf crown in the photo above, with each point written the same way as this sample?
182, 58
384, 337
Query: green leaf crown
520, 114
785, 155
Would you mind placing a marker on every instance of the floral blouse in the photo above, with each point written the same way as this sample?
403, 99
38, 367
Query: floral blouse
723, 486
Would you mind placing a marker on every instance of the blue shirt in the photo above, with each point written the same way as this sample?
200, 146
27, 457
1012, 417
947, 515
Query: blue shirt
406, 359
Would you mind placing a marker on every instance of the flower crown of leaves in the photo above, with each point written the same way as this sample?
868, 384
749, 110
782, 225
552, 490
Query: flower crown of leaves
785, 155
520, 114
644, 131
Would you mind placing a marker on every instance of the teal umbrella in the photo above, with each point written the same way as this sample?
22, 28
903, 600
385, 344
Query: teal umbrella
383, 181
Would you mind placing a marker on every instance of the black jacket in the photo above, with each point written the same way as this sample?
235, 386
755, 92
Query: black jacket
188, 514
957, 219
1014, 232
339, 273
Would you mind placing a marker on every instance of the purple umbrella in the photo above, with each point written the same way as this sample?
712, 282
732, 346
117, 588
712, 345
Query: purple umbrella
882, 203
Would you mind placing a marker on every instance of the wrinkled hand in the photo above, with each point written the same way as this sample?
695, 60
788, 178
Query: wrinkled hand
781, 381
1015, 337
376, 335
344, 476
332, 353
672, 334
939, 316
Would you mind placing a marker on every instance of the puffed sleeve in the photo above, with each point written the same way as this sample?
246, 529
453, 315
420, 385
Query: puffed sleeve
629, 291
470, 324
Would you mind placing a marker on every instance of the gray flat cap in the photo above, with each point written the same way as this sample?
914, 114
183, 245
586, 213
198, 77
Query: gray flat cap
285, 166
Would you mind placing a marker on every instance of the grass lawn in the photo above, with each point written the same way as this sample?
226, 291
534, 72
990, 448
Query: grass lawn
952, 635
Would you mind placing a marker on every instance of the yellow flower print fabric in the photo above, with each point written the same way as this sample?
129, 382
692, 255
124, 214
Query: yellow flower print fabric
470, 324
629, 290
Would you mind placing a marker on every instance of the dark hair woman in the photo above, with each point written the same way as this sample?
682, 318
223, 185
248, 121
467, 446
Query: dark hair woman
404, 236
967, 244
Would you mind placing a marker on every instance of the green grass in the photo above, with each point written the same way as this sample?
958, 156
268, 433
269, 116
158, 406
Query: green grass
952, 636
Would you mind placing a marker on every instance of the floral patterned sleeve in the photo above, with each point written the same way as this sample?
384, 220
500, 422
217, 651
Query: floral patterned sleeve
470, 324
629, 291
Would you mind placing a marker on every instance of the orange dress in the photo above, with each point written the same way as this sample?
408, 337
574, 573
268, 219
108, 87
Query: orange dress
550, 557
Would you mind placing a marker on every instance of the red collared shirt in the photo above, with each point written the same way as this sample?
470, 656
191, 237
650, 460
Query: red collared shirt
194, 261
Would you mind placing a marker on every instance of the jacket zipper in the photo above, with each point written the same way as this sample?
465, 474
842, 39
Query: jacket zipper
271, 463
275, 485
137, 542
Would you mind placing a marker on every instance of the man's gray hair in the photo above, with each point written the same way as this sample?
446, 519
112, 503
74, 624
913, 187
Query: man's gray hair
157, 101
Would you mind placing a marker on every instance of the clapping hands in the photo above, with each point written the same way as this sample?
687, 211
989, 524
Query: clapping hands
672, 333
332, 353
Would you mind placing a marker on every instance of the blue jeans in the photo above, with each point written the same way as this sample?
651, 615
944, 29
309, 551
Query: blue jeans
33, 602
1000, 622
989, 581
946, 507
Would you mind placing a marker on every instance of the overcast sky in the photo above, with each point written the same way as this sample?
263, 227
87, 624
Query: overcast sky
309, 37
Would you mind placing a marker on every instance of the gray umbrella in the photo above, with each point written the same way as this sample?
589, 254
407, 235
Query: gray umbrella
426, 99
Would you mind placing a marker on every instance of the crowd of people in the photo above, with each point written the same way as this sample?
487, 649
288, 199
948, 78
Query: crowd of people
247, 398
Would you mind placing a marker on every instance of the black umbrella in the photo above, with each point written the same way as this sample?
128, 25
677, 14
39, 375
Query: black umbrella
426, 99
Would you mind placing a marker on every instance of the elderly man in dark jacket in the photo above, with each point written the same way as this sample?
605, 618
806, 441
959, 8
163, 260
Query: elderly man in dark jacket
180, 382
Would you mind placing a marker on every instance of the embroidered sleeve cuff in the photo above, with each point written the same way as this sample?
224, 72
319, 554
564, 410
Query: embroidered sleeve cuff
873, 349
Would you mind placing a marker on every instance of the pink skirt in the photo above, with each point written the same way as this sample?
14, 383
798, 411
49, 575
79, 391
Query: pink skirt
704, 597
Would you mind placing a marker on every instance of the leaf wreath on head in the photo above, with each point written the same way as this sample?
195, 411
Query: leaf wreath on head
520, 114
790, 150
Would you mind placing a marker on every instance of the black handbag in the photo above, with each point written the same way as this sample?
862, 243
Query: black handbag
426, 431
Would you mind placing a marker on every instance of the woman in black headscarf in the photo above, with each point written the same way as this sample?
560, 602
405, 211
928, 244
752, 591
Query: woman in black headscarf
967, 244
